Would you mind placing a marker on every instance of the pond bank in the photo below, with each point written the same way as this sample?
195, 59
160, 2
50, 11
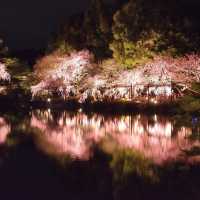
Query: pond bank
20, 102
18, 99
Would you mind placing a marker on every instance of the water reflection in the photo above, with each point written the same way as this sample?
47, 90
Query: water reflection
4, 130
156, 137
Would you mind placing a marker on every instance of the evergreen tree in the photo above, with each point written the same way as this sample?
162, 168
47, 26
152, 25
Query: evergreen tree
142, 29
97, 28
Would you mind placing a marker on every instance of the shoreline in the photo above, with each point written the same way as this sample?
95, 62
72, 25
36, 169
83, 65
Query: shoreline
25, 103
20, 101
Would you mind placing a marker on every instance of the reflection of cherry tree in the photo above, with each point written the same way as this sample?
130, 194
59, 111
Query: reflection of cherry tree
75, 135
4, 130
66, 136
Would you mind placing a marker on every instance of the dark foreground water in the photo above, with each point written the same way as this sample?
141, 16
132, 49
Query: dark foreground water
47, 154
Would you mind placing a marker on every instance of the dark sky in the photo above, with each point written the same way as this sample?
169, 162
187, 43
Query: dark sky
28, 23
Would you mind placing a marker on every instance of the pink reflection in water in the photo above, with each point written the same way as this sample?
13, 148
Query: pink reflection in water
4, 130
68, 136
155, 137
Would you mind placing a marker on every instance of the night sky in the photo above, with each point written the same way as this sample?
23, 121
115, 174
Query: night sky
26, 24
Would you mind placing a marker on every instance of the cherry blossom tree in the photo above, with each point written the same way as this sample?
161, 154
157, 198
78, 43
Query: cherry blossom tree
77, 76
184, 69
4, 75
66, 76
161, 72
76, 135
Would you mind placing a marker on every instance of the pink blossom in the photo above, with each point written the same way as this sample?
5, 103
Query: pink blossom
4, 75
4, 130
77, 76
69, 72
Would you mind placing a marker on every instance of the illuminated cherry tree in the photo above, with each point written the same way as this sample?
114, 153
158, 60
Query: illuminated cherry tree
77, 76
4, 75
184, 69
67, 76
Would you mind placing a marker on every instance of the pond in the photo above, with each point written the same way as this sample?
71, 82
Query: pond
53, 154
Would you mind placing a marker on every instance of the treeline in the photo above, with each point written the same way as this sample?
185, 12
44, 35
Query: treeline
133, 31
90, 30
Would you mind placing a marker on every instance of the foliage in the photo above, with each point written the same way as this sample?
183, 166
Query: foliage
142, 29
90, 30
96, 24
60, 46
191, 103
132, 31
127, 162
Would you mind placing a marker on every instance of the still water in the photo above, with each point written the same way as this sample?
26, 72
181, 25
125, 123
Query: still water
48, 154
